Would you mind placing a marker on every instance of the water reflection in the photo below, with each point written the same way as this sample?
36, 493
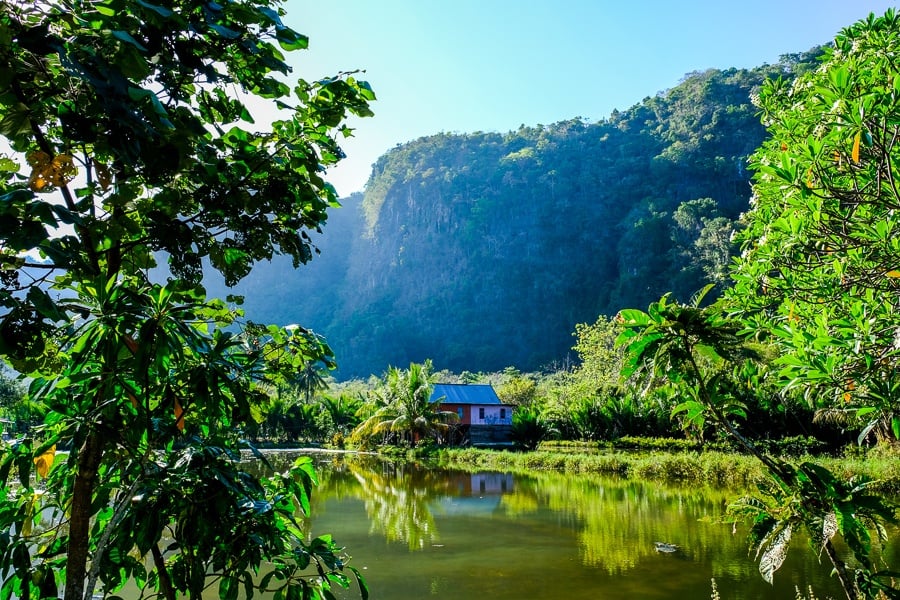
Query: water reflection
398, 501
420, 532
618, 523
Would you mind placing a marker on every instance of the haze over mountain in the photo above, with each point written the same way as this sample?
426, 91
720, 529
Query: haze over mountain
483, 250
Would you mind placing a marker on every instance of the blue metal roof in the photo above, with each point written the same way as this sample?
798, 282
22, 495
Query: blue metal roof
464, 393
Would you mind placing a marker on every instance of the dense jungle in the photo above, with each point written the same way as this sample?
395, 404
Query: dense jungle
484, 250
699, 289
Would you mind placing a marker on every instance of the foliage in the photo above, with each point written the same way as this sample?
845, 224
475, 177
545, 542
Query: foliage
795, 446
689, 349
700, 352
342, 412
669, 445
712, 468
518, 391
403, 410
601, 360
817, 275
481, 226
528, 428
588, 419
701, 239
311, 378
809, 496
19, 412
819, 245
133, 142
288, 419
565, 409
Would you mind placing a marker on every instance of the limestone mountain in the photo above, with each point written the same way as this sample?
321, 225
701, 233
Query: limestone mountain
483, 250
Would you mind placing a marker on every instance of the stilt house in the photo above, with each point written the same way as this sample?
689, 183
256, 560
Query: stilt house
483, 419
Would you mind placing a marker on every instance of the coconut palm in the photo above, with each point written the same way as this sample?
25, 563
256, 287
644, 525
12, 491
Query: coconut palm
404, 407
343, 411
311, 378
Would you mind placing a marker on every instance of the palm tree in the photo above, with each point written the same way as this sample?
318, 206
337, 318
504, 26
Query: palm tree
404, 407
311, 378
342, 410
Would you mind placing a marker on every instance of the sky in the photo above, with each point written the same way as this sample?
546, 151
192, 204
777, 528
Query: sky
461, 66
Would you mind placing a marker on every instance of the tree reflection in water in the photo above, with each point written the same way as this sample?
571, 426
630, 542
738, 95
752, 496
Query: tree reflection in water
398, 498
617, 522
461, 529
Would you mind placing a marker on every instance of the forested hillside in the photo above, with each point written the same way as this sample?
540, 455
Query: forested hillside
483, 250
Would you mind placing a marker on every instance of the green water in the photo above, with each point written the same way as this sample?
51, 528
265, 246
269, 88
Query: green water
420, 533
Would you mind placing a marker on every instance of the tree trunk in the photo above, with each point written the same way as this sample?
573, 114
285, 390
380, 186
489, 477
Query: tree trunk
80, 521
165, 584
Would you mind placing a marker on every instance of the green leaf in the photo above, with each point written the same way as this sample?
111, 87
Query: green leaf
273, 15
228, 588
639, 347
709, 353
290, 40
776, 544
16, 122
136, 93
363, 587
634, 318
128, 39
45, 305
225, 32
160, 10
8, 165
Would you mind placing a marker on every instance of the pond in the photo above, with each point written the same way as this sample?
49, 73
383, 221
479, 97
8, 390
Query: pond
419, 533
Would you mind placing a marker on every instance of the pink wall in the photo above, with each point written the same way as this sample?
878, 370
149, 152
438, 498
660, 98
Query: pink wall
471, 414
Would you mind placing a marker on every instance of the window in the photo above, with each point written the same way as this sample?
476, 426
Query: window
502, 414
481, 413
459, 413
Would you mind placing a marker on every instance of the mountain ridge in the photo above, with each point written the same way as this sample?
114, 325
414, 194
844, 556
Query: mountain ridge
483, 250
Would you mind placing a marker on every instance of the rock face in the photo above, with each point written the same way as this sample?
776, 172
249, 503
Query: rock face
483, 250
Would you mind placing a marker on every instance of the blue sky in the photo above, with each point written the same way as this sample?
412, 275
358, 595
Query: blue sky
491, 65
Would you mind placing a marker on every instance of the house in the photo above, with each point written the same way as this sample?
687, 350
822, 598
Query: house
483, 418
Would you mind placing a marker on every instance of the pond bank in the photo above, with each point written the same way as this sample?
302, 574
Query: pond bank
716, 469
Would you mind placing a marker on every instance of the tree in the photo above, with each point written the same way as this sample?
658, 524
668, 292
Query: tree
817, 281
18, 411
342, 411
405, 406
518, 391
529, 429
704, 357
819, 268
133, 141
310, 379
601, 360
702, 246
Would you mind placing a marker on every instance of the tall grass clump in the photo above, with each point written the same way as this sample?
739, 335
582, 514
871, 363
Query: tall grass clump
879, 465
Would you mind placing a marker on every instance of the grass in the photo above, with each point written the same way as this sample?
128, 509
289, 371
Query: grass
878, 465
712, 468
708, 468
